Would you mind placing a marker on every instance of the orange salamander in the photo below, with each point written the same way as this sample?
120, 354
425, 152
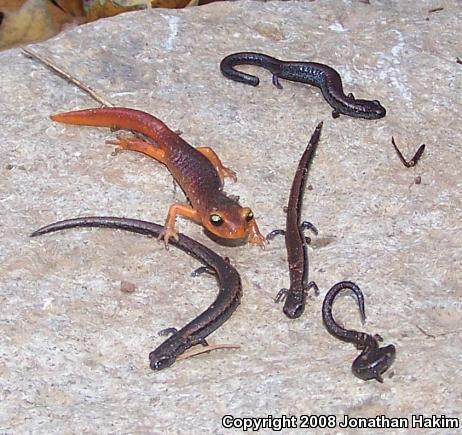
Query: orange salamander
198, 171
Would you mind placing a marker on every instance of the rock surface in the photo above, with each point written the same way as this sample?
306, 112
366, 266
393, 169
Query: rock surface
74, 347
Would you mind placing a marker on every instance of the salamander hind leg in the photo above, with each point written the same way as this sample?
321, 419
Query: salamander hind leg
276, 81
222, 170
274, 233
167, 331
140, 146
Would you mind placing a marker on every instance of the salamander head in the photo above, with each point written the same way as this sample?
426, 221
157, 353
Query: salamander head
294, 305
160, 362
231, 222
165, 355
369, 109
372, 363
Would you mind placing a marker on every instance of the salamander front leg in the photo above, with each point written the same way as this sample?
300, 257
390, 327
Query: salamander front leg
175, 210
281, 295
222, 170
255, 237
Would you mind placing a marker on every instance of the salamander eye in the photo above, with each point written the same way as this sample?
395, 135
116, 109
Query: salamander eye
249, 216
216, 219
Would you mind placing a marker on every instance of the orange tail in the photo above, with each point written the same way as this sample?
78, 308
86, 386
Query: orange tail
118, 117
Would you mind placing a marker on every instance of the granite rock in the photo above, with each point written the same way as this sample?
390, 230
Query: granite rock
74, 347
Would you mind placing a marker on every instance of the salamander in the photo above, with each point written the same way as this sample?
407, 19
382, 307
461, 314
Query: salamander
322, 76
373, 360
295, 296
196, 331
198, 171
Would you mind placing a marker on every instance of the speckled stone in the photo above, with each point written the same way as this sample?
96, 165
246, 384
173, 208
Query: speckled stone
74, 347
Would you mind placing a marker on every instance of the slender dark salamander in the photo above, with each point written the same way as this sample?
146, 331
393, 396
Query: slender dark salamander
322, 76
212, 318
297, 257
374, 360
